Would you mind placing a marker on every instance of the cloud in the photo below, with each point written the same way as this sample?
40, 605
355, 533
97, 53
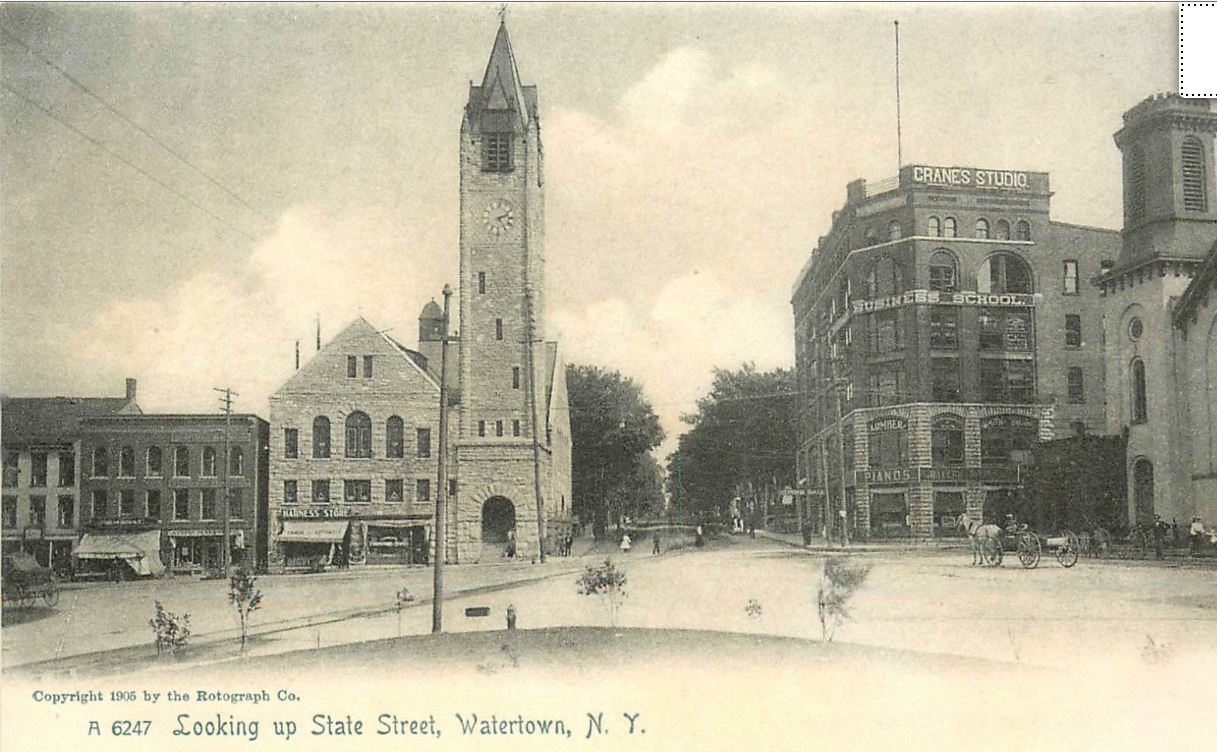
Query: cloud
219, 328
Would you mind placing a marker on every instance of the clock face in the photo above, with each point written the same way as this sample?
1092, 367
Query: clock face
499, 217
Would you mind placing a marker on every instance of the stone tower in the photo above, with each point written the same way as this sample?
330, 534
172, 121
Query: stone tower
502, 304
1170, 223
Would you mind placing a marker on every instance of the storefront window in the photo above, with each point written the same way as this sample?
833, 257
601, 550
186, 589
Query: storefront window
889, 515
946, 439
1007, 439
948, 505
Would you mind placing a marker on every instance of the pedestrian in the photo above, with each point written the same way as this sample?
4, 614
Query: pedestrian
1160, 528
655, 539
511, 544
806, 533
1196, 535
625, 543
700, 540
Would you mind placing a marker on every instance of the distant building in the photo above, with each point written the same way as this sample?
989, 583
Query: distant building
950, 314
1158, 321
42, 470
166, 474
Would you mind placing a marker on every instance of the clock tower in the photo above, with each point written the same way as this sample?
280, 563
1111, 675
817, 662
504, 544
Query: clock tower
509, 375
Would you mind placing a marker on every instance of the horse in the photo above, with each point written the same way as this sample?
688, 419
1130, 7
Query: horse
978, 533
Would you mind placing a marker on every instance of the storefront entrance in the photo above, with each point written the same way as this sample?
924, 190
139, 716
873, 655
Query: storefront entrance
889, 515
397, 543
948, 505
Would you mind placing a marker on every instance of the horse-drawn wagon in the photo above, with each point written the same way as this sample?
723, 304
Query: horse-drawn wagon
990, 544
25, 581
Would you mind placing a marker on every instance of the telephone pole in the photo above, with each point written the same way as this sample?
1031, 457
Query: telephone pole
441, 492
226, 401
838, 385
536, 441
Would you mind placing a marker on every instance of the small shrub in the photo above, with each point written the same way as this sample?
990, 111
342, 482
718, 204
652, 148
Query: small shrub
753, 609
245, 596
404, 598
607, 582
840, 581
172, 631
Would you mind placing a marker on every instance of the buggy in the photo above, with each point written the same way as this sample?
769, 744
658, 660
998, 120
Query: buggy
25, 581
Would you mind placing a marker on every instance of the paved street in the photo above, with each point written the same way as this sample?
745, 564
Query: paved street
930, 601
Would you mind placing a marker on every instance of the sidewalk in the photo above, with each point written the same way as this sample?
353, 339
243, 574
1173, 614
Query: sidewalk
866, 546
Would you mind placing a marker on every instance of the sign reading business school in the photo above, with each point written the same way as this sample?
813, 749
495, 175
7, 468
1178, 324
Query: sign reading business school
971, 177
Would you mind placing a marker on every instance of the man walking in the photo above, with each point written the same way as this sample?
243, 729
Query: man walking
655, 547
1160, 528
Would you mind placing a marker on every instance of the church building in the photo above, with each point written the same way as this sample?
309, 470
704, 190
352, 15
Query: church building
1159, 326
366, 494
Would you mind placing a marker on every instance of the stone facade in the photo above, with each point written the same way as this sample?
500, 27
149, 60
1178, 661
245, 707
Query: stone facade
946, 290
1170, 228
505, 373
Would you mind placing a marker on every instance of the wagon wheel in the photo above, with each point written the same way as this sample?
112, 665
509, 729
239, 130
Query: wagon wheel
991, 552
23, 597
1029, 550
50, 596
1067, 555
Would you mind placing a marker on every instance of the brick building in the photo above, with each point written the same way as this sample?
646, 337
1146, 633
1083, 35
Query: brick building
372, 500
947, 313
157, 482
1158, 323
42, 471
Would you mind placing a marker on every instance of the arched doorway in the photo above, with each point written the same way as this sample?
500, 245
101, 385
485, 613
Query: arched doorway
498, 520
1143, 491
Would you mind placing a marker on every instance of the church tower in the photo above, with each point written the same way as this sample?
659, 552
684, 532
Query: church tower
1170, 223
510, 377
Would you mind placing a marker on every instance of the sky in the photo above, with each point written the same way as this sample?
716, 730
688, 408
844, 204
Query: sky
694, 154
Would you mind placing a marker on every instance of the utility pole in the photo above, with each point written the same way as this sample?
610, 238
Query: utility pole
441, 492
226, 400
827, 516
838, 384
536, 440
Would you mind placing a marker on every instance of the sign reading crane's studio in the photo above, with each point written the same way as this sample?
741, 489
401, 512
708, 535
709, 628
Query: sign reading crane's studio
970, 177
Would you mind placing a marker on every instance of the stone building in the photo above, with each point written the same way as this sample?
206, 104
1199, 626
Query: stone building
373, 500
158, 482
42, 512
1156, 317
947, 312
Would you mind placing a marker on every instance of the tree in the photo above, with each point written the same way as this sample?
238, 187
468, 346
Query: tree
606, 582
613, 428
245, 596
742, 441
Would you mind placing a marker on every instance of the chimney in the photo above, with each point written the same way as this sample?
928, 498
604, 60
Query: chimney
130, 389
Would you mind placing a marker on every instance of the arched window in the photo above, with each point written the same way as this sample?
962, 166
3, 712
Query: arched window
181, 462
236, 462
126, 462
321, 437
893, 230
1007, 439
1022, 231
1135, 182
943, 273
395, 437
1004, 273
949, 228
933, 227
209, 462
982, 228
101, 464
946, 440
1140, 406
155, 464
359, 435
1003, 230
1194, 178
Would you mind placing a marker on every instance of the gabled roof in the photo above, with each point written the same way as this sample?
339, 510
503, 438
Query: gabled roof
36, 420
1197, 290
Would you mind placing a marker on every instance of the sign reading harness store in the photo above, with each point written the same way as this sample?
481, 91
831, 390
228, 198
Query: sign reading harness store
934, 297
319, 513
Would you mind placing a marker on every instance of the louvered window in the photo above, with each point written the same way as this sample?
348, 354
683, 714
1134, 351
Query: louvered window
1194, 198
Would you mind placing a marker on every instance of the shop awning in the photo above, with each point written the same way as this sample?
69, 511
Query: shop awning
140, 550
399, 523
313, 531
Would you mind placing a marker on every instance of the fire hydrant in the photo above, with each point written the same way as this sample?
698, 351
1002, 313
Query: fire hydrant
511, 617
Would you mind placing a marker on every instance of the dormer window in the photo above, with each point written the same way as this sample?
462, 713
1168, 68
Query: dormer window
496, 152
